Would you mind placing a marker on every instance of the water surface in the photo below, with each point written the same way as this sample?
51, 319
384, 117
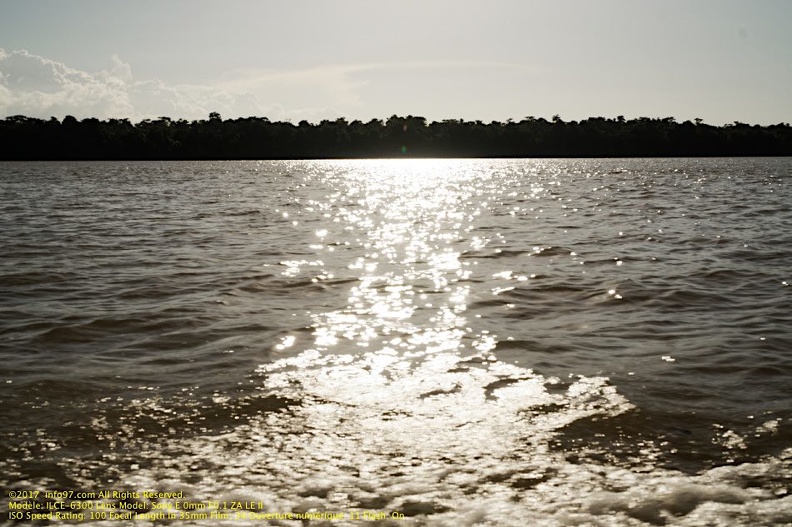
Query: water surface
488, 342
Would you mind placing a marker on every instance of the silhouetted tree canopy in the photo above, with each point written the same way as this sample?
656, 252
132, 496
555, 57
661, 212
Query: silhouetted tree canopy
26, 138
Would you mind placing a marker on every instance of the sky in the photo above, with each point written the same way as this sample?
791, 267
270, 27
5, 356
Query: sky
718, 60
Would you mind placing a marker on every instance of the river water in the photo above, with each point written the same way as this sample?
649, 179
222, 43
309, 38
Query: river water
432, 342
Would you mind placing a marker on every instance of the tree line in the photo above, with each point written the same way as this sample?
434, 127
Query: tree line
26, 138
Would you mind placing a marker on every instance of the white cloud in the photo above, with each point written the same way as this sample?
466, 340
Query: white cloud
35, 86
118, 74
39, 87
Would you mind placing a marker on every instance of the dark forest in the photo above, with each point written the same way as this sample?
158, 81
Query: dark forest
26, 138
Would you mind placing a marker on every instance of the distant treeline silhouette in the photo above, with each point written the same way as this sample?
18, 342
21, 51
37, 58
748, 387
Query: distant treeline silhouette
26, 138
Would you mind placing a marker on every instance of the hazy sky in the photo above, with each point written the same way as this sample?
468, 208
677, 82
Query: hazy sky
720, 60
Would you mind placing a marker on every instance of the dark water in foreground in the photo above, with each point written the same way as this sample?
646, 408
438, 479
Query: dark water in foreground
473, 342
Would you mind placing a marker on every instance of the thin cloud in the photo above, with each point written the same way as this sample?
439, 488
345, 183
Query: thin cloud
36, 86
352, 90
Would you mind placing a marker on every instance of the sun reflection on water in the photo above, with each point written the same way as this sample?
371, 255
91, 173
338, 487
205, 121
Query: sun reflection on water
411, 219
412, 400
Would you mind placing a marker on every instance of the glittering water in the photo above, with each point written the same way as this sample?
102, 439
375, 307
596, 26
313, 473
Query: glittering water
464, 342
